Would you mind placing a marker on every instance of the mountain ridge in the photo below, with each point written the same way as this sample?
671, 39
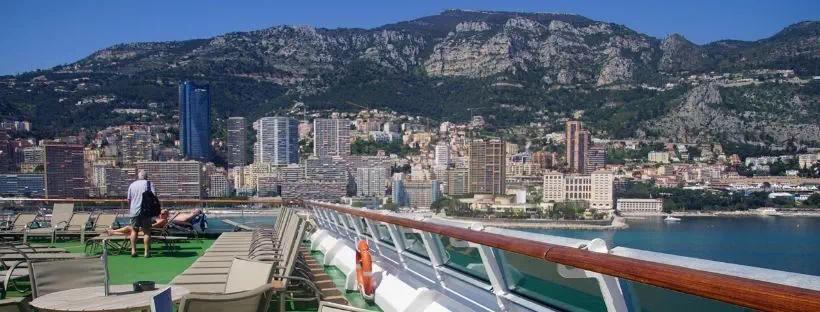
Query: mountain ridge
440, 65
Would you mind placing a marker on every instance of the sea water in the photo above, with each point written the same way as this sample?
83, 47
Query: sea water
781, 243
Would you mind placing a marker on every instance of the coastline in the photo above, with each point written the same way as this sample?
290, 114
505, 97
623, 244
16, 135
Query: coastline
736, 213
617, 223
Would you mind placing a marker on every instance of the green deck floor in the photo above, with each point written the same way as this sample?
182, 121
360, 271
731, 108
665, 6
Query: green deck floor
163, 266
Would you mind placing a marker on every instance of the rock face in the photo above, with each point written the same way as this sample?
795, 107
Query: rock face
680, 54
701, 116
558, 48
474, 54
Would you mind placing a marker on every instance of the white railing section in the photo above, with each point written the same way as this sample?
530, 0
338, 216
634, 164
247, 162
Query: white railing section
426, 274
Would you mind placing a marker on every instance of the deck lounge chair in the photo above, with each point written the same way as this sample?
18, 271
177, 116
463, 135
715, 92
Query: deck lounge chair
243, 275
76, 227
53, 276
60, 217
256, 300
19, 225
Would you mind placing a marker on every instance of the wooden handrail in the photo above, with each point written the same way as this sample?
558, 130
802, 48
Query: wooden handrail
754, 294
163, 200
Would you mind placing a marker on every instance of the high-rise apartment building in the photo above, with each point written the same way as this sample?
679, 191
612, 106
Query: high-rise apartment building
135, 146
331, 137
6, 152
237, 141
325, 170
487, 166
174, 179
65, 171
457, 181
195, 120
115, 181
577, 143
596, 159
420, 194
371, 181
596, 188
277, 140
442, 155
218, 186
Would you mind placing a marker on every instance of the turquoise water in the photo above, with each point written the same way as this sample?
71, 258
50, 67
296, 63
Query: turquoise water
780, 243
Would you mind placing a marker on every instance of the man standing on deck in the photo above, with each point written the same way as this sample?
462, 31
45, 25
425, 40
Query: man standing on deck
140, 221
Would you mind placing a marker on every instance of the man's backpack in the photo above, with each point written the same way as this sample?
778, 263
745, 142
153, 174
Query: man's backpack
150, 205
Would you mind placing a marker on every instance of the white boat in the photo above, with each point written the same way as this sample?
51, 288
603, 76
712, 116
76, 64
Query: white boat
671, 219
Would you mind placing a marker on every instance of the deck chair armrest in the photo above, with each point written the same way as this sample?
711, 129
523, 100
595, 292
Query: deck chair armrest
10, 272
308, 282
60, 225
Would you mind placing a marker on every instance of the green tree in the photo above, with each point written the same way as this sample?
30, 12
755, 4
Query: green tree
813, 200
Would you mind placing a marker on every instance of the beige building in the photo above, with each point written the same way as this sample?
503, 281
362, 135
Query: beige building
457, 181
659, 157
640, 205
807, 160
596, 188
174, 179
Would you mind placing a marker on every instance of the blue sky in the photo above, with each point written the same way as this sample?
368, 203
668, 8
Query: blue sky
41, 34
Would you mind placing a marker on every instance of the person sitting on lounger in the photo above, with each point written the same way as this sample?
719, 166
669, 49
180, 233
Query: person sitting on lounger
159, 223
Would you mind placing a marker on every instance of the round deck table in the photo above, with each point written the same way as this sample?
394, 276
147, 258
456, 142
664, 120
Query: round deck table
120, 298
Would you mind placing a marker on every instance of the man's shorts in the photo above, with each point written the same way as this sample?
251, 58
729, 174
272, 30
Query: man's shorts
141, 223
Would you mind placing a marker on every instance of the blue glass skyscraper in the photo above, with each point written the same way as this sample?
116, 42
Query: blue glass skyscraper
195, 120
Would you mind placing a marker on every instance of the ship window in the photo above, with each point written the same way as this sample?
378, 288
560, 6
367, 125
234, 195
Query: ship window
363, 226
384, 234
414, 243
349, 222
539, 280
459, 256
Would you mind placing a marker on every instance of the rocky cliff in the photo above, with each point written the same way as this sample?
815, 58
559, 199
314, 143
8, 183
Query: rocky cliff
447, 62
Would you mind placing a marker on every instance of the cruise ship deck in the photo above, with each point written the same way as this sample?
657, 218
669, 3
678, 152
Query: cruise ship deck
422, 263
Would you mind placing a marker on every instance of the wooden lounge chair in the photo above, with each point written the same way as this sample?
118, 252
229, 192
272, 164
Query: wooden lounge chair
60, 217
53, 276
256, 300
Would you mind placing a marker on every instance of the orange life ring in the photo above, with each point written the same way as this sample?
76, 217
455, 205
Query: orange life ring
364, 269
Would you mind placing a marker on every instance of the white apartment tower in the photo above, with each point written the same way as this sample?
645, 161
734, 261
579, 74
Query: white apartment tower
277, 140
442, 159
371, 181
331, 137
